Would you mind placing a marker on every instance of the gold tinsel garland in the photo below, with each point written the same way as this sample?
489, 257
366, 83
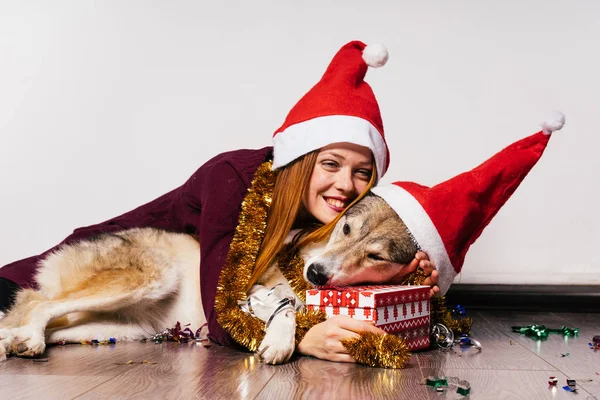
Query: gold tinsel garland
387, 351
382, 351
244, 328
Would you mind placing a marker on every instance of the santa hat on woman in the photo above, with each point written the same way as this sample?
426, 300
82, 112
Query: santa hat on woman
341, 107
446, 219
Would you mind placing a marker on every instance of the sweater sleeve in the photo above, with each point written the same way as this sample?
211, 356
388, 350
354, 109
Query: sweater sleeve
222, 196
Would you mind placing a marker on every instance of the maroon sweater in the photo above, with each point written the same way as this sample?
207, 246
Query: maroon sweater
207, 205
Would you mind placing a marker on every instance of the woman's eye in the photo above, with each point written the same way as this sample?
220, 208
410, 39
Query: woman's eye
364, 174
375, 257
346, 229
329, 164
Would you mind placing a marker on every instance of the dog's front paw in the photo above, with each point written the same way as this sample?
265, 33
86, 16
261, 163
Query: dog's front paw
280, 341
30, 347
27, 343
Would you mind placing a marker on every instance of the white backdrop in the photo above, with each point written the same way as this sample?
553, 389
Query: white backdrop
105, 105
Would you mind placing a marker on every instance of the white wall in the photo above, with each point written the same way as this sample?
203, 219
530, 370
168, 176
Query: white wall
105, 105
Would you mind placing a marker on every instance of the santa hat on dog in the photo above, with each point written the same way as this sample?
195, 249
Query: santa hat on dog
446, 219
341, 107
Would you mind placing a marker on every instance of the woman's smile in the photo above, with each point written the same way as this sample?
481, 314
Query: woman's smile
336, 203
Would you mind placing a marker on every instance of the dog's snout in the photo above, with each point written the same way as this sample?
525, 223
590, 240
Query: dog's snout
316, 274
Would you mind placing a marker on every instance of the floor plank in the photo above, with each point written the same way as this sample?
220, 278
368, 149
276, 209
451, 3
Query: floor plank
47, 387
76, 360
188, 371
309, 378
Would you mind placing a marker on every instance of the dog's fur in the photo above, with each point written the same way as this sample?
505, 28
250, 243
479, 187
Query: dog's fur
132, 284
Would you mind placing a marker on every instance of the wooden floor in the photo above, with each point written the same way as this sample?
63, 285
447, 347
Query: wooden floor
509, 367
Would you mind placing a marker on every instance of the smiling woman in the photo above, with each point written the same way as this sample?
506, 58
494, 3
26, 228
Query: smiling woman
328, 153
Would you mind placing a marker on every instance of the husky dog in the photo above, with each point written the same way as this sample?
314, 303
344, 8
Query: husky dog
134, 283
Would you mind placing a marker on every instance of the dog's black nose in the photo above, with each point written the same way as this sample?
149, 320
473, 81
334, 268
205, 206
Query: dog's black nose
316, 274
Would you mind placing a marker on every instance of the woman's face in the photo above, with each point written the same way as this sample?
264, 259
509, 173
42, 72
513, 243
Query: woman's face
341, 173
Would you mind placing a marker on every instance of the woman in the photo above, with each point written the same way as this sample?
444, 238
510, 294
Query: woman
327, 154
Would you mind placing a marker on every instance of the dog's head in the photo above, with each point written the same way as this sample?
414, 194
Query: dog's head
370, 244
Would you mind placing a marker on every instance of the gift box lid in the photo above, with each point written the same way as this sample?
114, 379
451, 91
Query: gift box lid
366, 296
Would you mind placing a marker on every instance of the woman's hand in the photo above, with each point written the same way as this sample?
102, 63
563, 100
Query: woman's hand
324, 340
422, 260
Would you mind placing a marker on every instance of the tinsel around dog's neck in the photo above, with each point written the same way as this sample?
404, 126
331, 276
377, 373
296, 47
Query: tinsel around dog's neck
248, 330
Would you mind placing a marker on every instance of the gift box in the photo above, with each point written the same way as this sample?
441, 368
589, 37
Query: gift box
398, 310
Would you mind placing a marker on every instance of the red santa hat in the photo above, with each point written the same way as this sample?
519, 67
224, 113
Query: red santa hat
446, 219
341, 107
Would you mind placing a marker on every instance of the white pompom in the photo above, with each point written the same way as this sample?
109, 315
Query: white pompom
554, 123
375, 55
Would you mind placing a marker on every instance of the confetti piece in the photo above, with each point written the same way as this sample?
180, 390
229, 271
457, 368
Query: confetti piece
464, 388
565, 354
459, 311
442, 336
436, 381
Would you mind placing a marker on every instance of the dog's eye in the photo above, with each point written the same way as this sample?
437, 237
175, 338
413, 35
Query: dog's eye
346, 229
375, 257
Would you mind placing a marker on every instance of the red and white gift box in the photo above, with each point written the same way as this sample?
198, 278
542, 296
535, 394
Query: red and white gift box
398, 310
